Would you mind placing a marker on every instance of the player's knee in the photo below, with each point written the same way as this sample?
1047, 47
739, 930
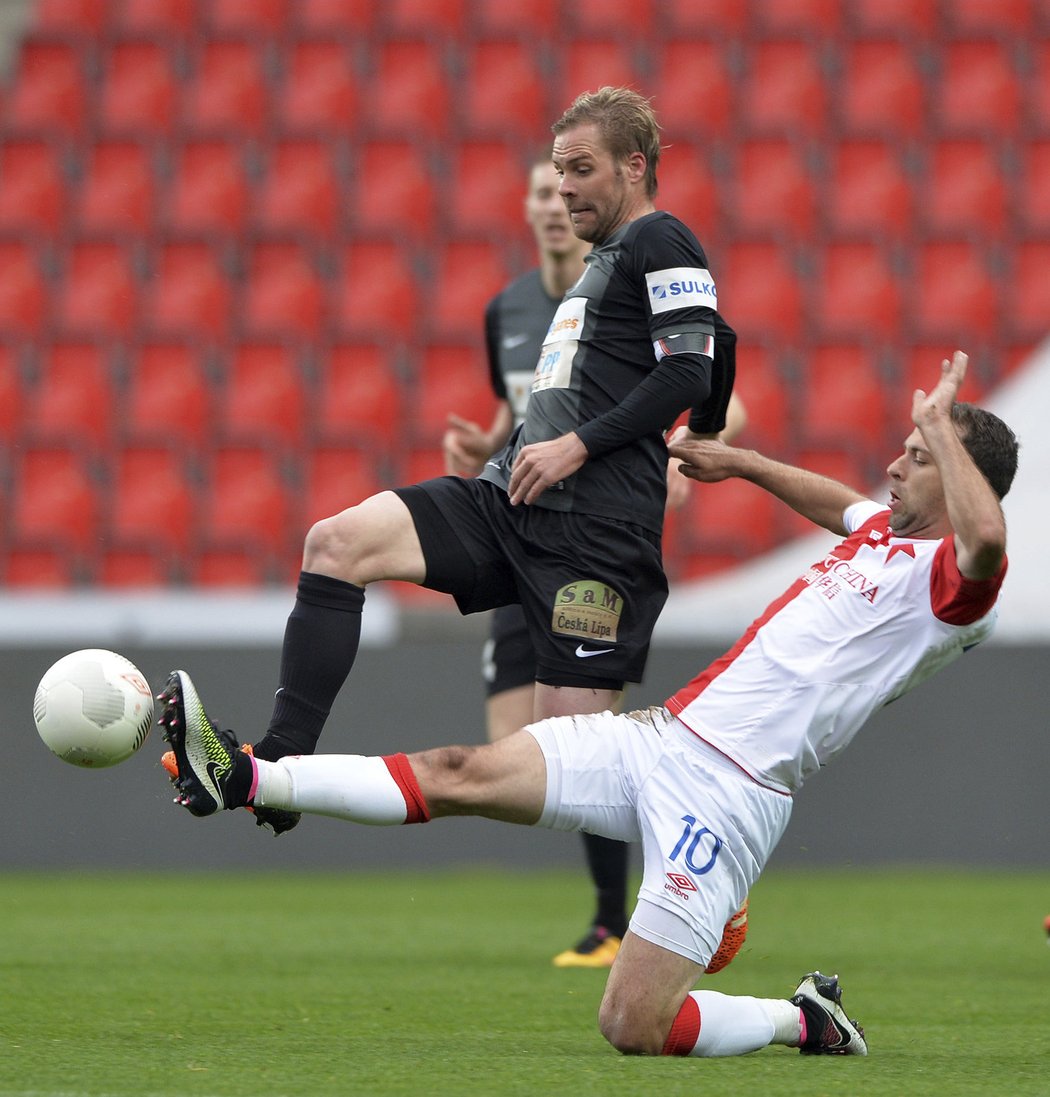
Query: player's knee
446, 776
628, 1031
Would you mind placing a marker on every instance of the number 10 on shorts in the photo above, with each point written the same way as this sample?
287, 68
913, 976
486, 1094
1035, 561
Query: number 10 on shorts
697, 844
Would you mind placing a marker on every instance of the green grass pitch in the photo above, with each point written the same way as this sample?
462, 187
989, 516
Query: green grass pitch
373, 985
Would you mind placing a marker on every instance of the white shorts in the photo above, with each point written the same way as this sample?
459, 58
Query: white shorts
705, 827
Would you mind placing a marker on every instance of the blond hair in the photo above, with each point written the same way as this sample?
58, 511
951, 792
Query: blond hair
626, 122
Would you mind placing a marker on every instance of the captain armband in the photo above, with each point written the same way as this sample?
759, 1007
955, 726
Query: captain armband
686, 342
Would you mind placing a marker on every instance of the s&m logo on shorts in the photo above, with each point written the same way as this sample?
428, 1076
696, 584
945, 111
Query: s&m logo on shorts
588, 609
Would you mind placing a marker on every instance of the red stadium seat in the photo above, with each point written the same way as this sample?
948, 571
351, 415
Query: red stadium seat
784, 91
49, 95
151, 501
168, 396
245, 17
117, 194
989, 18
1033, 195
336, 478
717, 20
392, 189
359, 397
407, 95
689, 190
856, 291
881, 91
963, 189
630, 19
139, 89
844, 397
529, 20
226, 92
451, 378
868, 192
245, 501
284, 294
209, 190
978, 92
375, 293
421, 463
505, 94
908, 20
162, 19
319, 92
805, 18
72, 398
61, 17
467, 275
301, 192
54, 503
1028, 291
33, 192
98, 292
759, 287
693, 90
772, 193
217, 567
765, 391
37, 567
24, 294
433, 18
135, 568
12, 395
732, 516
486, 189
335, 18
1037, 90
587, 63
955, 295
188, 293
262, 399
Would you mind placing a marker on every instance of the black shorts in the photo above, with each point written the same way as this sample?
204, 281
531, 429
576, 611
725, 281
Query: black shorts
507, 660
591, 588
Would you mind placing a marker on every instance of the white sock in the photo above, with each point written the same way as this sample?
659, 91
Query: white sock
346, 786
733, 1024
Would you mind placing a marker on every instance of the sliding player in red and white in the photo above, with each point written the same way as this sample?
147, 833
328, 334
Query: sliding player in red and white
705, 783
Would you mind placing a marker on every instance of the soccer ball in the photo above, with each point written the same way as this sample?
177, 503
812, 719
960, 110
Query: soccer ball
93, 708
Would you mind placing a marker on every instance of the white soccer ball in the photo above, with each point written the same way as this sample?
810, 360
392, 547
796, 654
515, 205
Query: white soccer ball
93, 708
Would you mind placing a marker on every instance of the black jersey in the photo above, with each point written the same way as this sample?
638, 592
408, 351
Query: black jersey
516, 322
647, 282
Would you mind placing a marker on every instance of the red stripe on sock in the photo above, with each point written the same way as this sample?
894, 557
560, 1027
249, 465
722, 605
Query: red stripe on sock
685, 1030
401, 770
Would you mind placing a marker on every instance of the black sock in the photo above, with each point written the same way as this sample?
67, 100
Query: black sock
607, 859
320, 646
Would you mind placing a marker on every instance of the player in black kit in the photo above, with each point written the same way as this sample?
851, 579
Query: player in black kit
566, 520
516, 323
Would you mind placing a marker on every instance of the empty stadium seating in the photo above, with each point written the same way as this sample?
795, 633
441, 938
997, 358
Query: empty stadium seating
260, 236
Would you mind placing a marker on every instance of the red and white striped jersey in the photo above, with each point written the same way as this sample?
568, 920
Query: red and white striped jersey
876, 616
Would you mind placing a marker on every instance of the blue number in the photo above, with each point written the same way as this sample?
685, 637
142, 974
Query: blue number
698, 870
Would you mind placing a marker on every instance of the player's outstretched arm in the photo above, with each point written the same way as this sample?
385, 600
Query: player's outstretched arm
974, 510
815, 497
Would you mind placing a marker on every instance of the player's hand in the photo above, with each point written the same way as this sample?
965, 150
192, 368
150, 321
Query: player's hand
707, 460
465, 446
543, 464
927, 409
